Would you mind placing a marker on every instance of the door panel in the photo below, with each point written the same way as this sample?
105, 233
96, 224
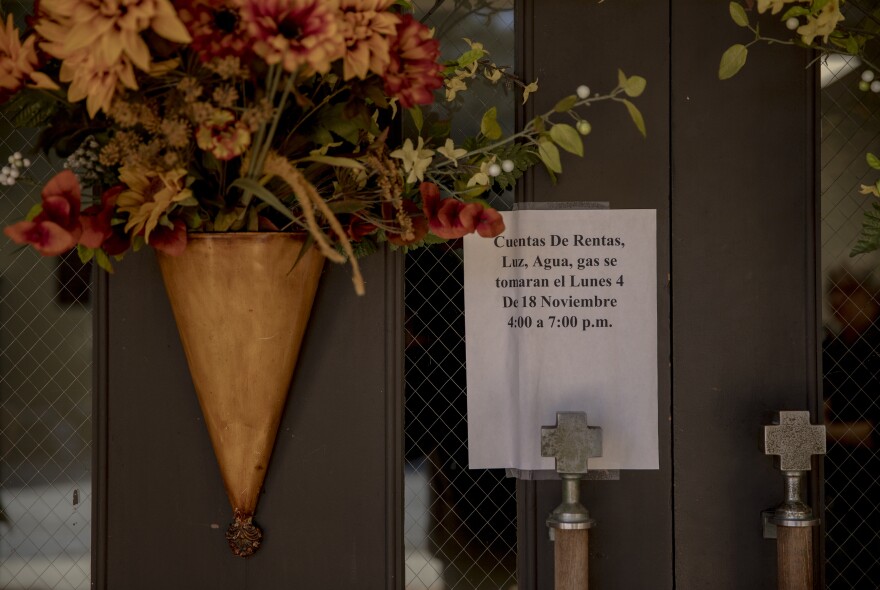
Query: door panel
732, 177
568, 43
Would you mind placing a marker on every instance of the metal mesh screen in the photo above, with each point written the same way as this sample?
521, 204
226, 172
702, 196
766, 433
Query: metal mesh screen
851, 346
460, 524
45, 397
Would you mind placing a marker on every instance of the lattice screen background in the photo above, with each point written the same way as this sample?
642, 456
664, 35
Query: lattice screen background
45, 399
460, 524
850, 128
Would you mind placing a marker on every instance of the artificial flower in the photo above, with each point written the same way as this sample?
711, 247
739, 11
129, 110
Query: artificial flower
481, 177
47, 238
529, 89
107, 30
148, 196
776, 5
216, 27
451, 219
453, 87
450, 151
56, 228
413, 73
19, 62
295, 33
821, 24
170, 240
368, 28
223, 136
415, 159
97, 220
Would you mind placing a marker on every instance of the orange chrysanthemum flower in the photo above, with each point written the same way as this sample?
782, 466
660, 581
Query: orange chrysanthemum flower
100, 42
295, 33
368, 28
18, 62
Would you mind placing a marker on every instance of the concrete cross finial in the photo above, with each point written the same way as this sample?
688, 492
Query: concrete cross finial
571, 442
795, 440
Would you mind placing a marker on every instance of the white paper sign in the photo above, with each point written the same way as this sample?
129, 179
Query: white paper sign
561, 315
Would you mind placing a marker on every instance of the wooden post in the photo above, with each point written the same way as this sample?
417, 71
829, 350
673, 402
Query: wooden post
794, 547
571, 562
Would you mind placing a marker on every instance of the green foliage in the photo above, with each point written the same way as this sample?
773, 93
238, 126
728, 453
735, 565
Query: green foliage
489, 124
633, 86
417, 117
738, 14
869, 239
873, 161
637, 118
31, 108
549, 154
567, 137
361, 249
264, 194
566, 104
732, 61
522, 157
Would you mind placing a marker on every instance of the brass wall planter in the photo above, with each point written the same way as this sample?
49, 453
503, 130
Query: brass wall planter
242, 308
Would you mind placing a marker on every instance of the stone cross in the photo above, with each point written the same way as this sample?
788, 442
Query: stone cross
571, 442
795, 440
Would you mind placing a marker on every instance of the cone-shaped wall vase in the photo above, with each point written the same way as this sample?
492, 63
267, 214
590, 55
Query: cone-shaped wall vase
241, 307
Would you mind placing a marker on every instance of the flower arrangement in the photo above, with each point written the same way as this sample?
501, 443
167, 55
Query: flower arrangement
262, 115
822, 27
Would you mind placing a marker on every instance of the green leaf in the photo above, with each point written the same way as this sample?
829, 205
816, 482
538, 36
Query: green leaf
565, 104
869, 239
347, 205
636, 117
738, 14
85, 253
732, 61
224, 220
851, 45
417, 117
567, 137
470, 56
264, 194
549, 154
873, 161
795, 11
33, 212
489, 125
334, 161
103, 260
634, 86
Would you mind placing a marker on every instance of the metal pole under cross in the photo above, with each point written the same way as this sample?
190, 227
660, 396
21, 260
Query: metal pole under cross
794, 440
572, 443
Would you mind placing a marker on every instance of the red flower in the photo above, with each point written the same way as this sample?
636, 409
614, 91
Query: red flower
294, 33
171, 241
450, 218
359, 228
61, 201
413, 73
56, 228
216, 28
48, 238
96, 219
